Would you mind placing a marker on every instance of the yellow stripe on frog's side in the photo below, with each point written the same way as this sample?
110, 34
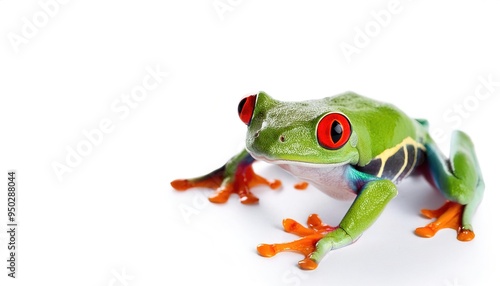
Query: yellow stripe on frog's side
416, 146
405, 150
384, 156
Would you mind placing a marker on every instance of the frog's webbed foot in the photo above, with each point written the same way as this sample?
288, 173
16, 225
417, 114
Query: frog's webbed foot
244, 179
306, 245
447, 216
225, 184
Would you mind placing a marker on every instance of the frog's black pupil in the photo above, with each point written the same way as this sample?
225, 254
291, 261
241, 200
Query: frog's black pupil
336, 131
242, 103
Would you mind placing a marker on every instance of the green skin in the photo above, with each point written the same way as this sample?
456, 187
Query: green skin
285, 134
375, 127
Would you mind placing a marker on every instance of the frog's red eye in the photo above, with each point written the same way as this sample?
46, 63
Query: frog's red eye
333, 131
246, 107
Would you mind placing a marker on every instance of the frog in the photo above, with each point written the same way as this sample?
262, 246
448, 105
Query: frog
353, 148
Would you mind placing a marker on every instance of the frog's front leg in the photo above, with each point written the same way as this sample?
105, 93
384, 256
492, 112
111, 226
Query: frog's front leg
236, 176
374, 194
363, 212
460, 180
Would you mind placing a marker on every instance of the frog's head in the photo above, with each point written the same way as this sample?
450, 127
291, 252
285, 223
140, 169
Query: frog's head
308, 132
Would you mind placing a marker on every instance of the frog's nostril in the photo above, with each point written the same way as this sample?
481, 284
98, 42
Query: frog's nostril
282, 138
256, 134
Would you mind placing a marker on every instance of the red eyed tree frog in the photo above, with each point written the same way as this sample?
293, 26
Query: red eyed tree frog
349, 147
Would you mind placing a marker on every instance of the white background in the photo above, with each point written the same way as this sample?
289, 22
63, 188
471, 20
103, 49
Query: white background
115, 213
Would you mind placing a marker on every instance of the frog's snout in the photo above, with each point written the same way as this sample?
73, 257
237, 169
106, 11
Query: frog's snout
281, 138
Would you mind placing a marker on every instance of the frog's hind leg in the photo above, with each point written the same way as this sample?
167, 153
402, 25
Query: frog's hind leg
460, 180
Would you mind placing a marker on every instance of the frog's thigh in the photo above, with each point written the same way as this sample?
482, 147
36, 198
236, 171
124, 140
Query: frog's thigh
459, 179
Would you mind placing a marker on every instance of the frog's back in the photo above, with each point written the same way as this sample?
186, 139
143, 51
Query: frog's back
388, 141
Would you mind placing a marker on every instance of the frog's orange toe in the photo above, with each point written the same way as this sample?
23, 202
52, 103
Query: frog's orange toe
292, 226
308, 264
221, 195
180, 185
305, 245
266, 250
425, 231
301, 186
465, 235
275, 184
249, 199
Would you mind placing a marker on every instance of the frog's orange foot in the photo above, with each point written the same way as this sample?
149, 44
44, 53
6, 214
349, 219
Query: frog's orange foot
301, 186
244, 179
311, 234
447, 216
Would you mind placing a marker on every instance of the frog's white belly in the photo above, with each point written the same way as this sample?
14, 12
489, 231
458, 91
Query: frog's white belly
329, 179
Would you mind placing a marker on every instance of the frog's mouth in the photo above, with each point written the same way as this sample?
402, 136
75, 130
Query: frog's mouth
282, 163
